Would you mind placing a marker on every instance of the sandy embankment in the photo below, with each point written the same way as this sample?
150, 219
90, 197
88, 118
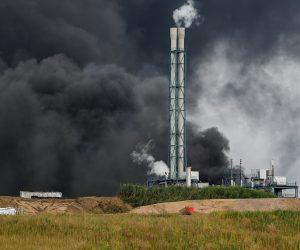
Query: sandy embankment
208, 206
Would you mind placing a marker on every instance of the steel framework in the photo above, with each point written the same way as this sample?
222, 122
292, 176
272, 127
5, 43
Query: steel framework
177, 114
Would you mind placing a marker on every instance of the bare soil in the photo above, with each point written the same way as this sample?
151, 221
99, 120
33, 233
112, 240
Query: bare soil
70, 206
208, 206
99, 205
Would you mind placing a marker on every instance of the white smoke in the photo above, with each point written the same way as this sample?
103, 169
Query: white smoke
142, 156
255, 104
186, 15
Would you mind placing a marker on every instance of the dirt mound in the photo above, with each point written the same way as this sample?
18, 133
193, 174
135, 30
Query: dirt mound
71, 206
208, 206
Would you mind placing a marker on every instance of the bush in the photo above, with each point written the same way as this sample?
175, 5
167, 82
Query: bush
138, 195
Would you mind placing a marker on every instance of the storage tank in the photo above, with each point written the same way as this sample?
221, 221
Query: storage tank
269, 173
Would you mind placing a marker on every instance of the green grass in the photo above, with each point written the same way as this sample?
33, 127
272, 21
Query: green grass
138, 195
230, 230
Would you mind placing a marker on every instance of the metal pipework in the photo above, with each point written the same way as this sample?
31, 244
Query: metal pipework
181, 102
173, 105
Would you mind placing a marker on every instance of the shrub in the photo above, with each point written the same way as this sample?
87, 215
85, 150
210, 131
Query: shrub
138, 195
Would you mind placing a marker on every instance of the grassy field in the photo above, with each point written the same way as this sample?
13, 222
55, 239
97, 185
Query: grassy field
230, 230
137, 195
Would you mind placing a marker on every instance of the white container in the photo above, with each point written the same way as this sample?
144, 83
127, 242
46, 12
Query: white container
41, 195
195, 175
203, 185
8, 211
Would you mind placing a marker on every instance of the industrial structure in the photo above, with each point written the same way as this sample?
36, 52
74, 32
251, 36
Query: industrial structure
180, 172
177, 120
261, 179
40, 195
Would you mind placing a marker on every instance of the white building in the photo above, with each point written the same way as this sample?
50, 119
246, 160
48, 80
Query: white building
40, 195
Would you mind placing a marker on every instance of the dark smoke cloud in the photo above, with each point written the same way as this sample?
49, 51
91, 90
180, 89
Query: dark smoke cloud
115, 31
66, 128
72, 129
84, 31
207, 153
257, 25
83, 82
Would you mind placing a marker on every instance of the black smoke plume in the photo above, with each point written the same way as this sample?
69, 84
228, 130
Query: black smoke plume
207, 154
79, 90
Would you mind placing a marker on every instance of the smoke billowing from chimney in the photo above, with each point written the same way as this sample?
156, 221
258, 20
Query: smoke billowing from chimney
186, 15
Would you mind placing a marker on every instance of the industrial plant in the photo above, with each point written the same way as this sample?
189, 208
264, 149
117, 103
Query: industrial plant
179, 171
260, 179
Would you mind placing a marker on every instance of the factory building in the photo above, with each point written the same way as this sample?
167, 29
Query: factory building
261, 179
40, 195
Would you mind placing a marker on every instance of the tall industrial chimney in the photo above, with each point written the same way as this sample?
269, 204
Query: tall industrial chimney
177, 142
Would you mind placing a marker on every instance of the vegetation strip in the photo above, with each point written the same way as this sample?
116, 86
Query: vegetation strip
137, 195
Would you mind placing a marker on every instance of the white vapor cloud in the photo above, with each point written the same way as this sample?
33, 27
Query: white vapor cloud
186, 15
142, 156
256, 104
